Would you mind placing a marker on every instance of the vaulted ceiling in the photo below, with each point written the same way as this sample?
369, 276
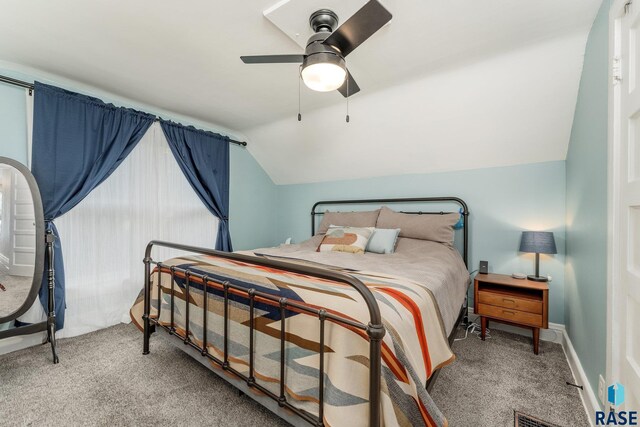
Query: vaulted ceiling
446, 85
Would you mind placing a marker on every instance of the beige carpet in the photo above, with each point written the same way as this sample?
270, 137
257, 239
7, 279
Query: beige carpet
104, 380
490, 379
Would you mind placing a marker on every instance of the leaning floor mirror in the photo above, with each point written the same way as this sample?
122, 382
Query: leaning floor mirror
23, 248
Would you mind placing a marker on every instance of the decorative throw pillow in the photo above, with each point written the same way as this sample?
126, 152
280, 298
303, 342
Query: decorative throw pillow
348, 219
383, 240
345, 239
434, 227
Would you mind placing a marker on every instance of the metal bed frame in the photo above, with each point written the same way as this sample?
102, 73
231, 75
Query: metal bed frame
374, 328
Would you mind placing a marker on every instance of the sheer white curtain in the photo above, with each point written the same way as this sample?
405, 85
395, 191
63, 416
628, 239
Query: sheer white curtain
104, 237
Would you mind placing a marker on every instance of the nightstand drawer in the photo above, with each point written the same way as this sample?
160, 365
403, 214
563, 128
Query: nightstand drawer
510, 315
510, 302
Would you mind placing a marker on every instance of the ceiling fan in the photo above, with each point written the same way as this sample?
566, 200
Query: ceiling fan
323, 65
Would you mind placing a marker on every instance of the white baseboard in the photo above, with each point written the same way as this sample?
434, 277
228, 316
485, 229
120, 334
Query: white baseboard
589, 399
557, 333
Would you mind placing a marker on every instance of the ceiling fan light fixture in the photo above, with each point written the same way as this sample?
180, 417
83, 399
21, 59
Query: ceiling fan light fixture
324, 72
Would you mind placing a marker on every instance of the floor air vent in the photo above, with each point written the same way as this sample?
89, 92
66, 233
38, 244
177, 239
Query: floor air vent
524, 420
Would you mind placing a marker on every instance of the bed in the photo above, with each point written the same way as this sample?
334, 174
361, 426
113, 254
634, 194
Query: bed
322, 338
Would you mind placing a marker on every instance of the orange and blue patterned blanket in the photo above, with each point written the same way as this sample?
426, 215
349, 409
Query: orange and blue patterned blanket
414, 346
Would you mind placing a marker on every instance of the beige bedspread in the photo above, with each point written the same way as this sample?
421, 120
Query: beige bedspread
437, 266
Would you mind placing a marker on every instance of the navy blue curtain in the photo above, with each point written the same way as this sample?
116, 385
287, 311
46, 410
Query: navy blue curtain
78, 141
203, 157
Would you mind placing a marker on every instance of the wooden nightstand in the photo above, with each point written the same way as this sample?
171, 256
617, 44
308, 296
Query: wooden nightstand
518, 302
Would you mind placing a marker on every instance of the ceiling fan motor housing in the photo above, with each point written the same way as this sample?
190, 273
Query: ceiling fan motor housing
315, 45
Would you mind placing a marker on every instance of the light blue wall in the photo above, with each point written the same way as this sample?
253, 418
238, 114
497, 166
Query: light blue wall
503, 202
13, 123
254, 198
586, 266
253, 194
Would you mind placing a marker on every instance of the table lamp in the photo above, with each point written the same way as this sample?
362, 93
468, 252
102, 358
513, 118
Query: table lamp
538, 242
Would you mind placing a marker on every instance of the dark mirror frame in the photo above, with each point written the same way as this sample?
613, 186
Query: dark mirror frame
40, 235
44, 247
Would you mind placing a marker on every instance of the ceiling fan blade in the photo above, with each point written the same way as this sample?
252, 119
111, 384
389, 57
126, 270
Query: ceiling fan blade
353, 86
362, 25
273, 59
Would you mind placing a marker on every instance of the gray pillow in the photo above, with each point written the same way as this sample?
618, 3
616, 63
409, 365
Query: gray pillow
437, 228
348, 219
383, 240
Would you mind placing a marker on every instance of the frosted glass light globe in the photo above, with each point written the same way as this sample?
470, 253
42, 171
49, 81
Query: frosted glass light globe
323, 76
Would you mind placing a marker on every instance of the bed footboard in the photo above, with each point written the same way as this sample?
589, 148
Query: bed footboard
374, 329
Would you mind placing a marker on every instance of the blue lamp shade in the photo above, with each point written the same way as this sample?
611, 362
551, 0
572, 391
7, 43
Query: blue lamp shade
539, 242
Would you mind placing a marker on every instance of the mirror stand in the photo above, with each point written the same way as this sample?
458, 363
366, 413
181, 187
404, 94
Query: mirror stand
51, 315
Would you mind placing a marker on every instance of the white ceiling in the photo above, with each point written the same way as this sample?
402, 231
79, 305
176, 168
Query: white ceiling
467, 76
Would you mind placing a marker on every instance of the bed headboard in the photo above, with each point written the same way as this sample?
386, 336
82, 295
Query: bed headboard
406, 201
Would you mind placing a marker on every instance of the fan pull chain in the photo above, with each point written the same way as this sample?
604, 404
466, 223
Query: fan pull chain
347, 118
299, 83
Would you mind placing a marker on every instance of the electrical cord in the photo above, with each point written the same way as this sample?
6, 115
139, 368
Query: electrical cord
474, 329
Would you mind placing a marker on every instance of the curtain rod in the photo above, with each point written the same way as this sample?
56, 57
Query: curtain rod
30, 86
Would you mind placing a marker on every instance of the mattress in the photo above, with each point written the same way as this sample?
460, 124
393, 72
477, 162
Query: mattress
438, 267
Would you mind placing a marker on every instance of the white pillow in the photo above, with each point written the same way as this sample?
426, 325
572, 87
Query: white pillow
383, 240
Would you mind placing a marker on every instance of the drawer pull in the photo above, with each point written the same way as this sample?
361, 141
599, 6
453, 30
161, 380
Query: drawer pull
509, 312
508, 300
